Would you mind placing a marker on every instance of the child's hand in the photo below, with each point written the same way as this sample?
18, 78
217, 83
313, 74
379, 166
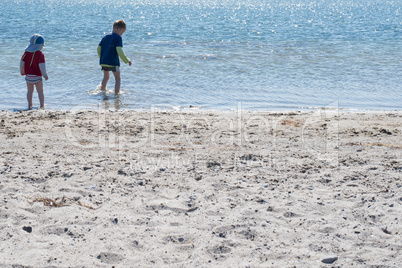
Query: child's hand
129, 63
46, 77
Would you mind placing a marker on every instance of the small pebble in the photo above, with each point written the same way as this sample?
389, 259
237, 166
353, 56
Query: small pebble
385, 230
330, 260
27, 229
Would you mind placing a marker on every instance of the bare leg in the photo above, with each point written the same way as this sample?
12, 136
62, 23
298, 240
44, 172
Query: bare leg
105, 79
39, 89
30, 91
118, 82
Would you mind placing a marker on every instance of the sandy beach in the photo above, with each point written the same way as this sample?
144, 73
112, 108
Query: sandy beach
196, 188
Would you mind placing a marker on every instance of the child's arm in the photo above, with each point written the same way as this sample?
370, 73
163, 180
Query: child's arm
123, 56
99, 51
22, 64
42, 67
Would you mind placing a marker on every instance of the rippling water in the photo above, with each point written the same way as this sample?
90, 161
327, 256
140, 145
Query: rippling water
211, 54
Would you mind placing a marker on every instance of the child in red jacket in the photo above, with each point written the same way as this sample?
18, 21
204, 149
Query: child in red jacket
33, 66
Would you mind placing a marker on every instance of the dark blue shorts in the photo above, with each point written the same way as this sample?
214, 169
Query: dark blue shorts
113, 69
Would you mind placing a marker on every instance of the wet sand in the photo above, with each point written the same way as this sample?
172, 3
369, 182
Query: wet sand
200, 189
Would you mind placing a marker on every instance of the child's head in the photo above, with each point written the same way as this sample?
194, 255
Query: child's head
36, 42
119, 24
119, 27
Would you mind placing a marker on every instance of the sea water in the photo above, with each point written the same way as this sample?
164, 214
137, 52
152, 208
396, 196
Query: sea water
257, 54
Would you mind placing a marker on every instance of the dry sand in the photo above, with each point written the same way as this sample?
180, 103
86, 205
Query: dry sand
200, 189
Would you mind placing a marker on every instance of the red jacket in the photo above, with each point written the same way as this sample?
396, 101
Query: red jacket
32, 60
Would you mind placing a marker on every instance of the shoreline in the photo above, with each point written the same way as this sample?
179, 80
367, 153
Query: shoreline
196, 109
200, 188
114, 103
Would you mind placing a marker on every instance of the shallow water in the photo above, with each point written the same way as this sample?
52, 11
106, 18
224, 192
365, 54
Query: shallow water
257, 55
